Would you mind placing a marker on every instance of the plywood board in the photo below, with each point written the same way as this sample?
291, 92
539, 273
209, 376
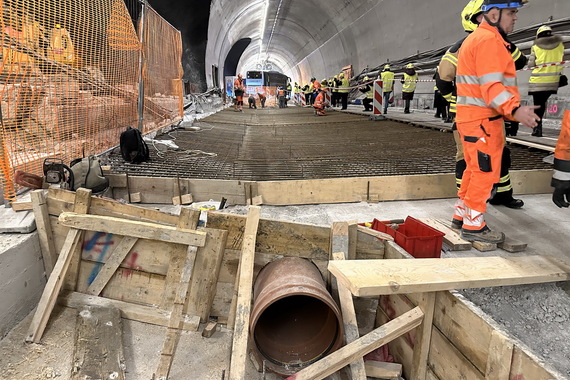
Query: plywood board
375, 277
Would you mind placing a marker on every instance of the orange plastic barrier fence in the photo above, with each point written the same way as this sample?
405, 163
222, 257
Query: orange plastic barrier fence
69, 79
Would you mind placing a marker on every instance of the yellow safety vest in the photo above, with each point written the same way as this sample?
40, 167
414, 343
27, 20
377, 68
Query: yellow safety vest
409, 83
344, 87
387, 81
549, 74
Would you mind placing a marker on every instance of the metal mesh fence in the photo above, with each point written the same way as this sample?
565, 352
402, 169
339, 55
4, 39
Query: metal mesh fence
69, 79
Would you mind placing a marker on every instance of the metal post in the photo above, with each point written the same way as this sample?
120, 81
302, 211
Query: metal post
141, 66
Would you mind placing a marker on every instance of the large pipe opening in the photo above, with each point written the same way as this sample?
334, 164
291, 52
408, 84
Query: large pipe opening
295, 321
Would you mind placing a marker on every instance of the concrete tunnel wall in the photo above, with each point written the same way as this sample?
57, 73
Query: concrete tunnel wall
318, 37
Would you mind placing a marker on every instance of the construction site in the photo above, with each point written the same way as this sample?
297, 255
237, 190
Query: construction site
268, 242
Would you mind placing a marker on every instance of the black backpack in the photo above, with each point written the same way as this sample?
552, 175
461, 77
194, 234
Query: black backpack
133, 147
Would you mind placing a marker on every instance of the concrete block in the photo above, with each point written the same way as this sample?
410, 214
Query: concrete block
16, 221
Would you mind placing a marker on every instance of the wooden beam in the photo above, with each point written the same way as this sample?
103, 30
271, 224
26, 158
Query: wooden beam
119, 253
176, 317
382, 370
500, 357
45, 233
188, 219
133, 228
451, 238
81, 205
351, 334
376, 277
98, 350
369, 342
243, 310
70, 248
132, 311
423, 337
378, 234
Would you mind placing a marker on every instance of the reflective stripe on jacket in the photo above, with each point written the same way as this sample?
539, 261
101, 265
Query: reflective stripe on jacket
546, 78
486, 77
410, 82
387, 81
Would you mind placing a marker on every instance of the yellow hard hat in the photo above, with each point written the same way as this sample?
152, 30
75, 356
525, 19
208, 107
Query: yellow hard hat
336, 76
410, 66
366, 78
543, 29
341, 75
386, 67
470, 13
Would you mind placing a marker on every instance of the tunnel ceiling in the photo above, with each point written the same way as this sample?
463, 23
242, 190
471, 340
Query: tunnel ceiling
319, 37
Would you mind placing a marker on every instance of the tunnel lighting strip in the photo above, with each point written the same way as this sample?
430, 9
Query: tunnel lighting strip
262, 32
273, 27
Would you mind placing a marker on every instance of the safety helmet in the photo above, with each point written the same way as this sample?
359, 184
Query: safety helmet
341, 75
470, 13
490, 4
543, 29
410, 66
313, 79
386, 67
366, 78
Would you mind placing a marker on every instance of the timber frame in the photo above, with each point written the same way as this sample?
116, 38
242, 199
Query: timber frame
454, 339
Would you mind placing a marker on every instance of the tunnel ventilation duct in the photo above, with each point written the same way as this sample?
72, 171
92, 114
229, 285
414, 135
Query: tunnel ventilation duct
294, 321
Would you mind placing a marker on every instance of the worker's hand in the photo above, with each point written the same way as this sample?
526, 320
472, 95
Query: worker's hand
526, 115
561, 191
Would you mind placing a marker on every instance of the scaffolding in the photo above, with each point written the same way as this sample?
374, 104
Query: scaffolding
69, 79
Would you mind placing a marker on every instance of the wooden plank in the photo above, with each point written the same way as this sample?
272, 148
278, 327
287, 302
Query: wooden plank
500, 357
134, 312
133, 228
423, 334
53, 286
484, 246
375, 277
512, 245
451, 238
98, 350
70, 248
352, 239
382, 370
22, 205
339, 243
243, 310
369, 342
116, 258
378, 234
350, 324
206, 272
447, 362
184, 199
178, 253
276, 237
45, 233
176, 317
369, 247
81, 205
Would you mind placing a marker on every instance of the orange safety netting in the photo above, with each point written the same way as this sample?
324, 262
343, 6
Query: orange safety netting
69, 79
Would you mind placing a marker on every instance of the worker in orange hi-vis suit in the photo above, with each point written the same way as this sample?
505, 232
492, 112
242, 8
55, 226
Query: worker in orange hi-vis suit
320, 103
239, 90
561, 175
486, 92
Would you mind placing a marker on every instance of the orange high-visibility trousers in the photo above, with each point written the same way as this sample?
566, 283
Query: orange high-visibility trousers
562, 151
483, 143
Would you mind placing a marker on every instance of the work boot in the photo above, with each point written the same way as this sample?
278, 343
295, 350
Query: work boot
456, 224
484, 235
537, 131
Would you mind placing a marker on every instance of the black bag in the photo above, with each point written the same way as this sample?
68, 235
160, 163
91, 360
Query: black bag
133, 147
87, 173
563, 81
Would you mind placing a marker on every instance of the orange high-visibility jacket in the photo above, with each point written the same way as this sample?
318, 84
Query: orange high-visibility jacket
320, 100
562, 151
486, 77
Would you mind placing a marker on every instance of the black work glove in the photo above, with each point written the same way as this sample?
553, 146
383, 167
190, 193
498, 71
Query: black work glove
561, 190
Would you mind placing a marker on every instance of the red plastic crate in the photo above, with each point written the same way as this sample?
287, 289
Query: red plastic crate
417, 238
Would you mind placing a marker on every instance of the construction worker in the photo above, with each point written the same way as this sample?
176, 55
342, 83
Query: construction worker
239, 90
343, 90
320, 102
308, 91
334, 85
471, 17
368, 91
251, 101
281, 97
409, 82
561, 174
387, 77
262, 99
439, 103
486, 92
544, 81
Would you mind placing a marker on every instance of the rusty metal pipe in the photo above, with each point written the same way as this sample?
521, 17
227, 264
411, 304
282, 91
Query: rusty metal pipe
294, 320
